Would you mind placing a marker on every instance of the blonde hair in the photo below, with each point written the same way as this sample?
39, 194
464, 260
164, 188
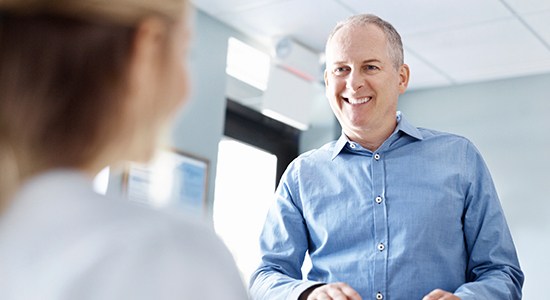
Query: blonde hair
63, 74
127, 12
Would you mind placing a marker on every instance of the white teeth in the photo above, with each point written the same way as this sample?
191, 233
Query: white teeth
359, 101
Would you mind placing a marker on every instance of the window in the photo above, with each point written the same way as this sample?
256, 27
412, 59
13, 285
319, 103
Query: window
245, 183
247, 64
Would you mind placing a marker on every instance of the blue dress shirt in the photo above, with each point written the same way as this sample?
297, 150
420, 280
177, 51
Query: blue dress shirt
419, 213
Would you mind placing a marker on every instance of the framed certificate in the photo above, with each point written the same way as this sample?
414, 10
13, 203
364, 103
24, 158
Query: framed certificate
173, 178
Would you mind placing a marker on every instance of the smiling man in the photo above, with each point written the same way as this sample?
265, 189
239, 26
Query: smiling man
388, 211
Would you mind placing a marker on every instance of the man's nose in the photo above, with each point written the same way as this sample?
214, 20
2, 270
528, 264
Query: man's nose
355, 81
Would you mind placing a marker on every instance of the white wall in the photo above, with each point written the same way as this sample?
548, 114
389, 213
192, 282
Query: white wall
199, 127
509, 122
323, 126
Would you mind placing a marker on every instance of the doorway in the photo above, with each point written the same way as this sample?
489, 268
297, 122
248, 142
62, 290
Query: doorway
252, 157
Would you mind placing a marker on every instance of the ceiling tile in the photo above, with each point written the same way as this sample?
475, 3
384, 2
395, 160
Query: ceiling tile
528, 6
540, 22
422, 75
493, 50
220, 7
289, 18
411, 17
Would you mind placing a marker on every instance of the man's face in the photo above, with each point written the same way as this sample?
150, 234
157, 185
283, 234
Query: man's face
362, 83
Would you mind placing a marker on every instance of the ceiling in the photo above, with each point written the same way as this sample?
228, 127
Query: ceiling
446, 42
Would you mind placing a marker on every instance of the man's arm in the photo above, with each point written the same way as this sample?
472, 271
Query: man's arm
493, 270
283, 245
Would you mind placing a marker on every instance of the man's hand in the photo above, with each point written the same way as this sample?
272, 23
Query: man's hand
334, 291
438, 294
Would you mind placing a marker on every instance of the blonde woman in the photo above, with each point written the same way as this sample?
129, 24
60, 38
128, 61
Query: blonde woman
85, 84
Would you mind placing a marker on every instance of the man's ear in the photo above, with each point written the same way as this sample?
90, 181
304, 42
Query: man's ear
326, 77
404, 74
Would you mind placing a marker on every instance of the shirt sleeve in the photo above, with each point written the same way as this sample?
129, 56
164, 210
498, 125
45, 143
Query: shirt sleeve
493, 270
283, 245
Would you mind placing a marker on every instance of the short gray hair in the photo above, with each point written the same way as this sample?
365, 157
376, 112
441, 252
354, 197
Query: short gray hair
392, 36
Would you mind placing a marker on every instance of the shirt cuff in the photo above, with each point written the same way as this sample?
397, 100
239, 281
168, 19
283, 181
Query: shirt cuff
299, 289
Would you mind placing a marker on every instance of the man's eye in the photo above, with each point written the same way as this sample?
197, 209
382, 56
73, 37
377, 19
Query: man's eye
340, 70
372, 68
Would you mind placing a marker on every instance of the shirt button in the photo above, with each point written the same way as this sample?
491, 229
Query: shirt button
381, 247
352, 145
378, 199
379, 296
377, 156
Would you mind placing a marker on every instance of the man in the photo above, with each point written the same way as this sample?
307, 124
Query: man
388, 211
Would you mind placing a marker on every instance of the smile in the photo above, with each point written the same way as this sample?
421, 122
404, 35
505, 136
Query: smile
357, 101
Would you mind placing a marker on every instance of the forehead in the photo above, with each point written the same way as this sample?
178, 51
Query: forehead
357, 41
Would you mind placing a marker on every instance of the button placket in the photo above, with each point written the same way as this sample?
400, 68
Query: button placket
380, 225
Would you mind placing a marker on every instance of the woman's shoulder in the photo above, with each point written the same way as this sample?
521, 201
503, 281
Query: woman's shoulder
112, 243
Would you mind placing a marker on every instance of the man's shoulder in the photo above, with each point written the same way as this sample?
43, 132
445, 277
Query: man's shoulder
322, 153
441, 136
313, 159
435, 141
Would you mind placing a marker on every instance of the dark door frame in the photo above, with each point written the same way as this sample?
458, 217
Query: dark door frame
252, 127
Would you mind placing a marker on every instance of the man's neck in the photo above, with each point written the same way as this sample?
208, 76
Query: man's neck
372, 139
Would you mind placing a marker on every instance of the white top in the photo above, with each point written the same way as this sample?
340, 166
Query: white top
61, 240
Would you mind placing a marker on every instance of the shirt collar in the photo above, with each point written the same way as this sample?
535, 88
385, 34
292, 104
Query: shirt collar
340, 144
402, 125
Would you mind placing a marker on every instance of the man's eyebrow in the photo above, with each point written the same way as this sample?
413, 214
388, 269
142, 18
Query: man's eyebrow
372, 60
340, 62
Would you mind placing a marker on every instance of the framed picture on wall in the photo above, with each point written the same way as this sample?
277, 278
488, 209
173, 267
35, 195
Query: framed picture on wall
173, 179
